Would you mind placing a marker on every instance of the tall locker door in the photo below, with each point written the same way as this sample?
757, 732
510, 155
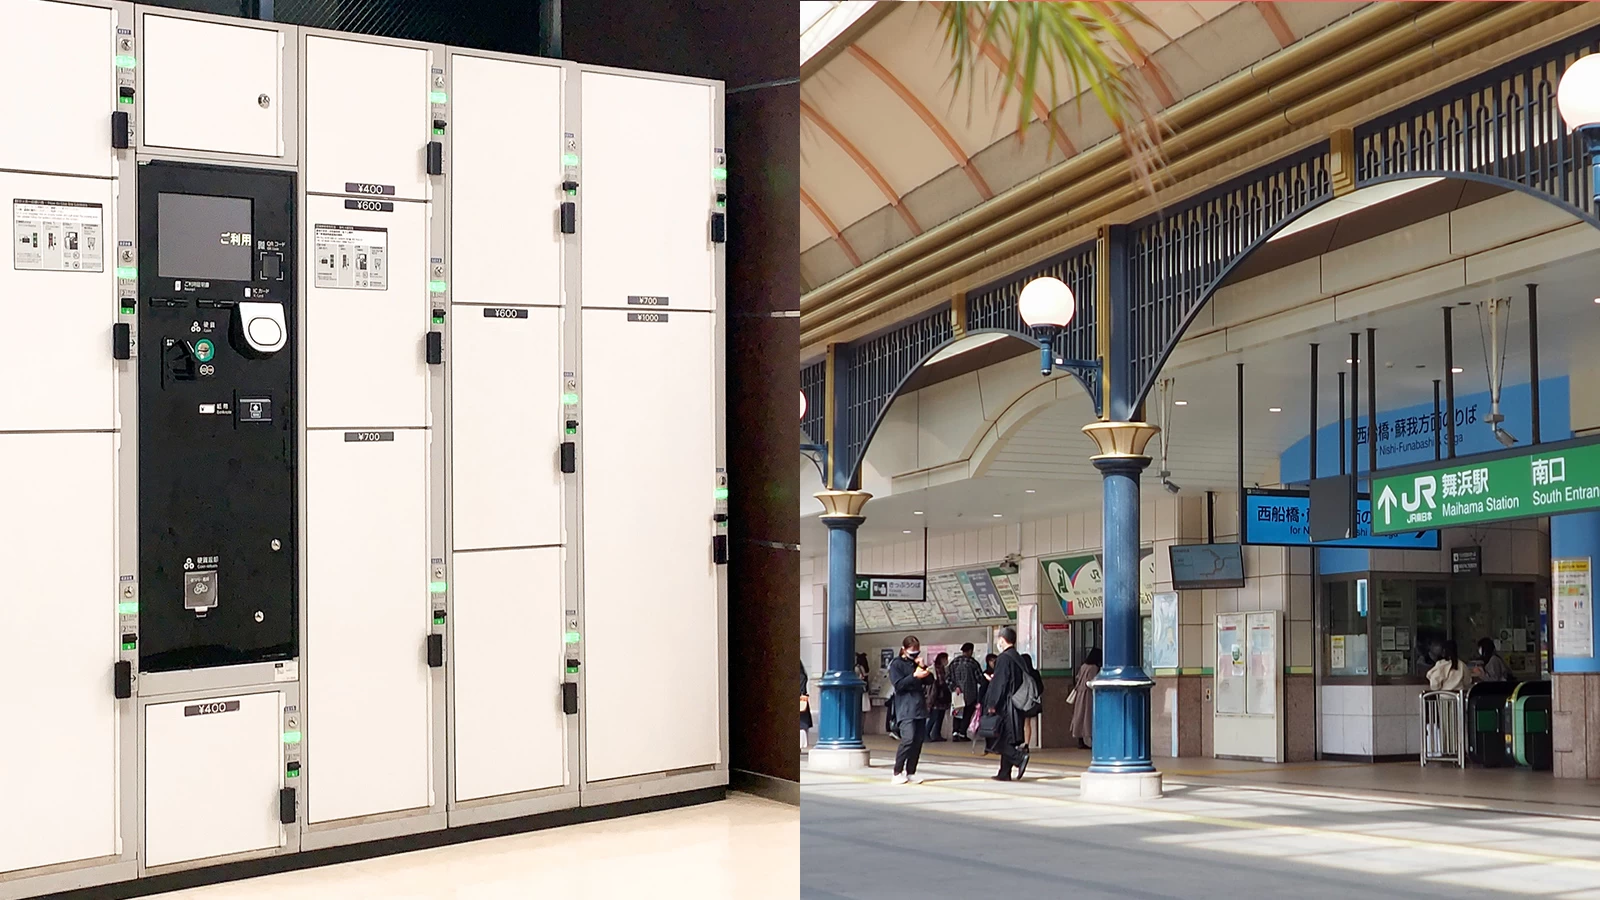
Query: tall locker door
58, 299
510, 730
58, 550
212, 86
367, 316
368, 696
367, 126
647, 190
650, 585
63, 87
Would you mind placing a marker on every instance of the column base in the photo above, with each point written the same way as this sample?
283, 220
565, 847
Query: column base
1119, 787
821, 759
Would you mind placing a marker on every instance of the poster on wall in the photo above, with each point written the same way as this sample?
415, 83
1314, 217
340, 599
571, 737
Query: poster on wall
1009, 584
1574, 607
1230, 670
1264, 667
875, 616
1163, 652
1078, 582
986, 598
945, 591
929, 615
901, 614
1055, 647
1336, 652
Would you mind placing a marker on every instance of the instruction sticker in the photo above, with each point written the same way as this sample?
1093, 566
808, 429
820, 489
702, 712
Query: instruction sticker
352, 257
56, 236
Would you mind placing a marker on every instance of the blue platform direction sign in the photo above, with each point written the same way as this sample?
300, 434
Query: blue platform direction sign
1282, 518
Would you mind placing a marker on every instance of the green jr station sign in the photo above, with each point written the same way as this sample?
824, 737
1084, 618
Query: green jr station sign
1540, 482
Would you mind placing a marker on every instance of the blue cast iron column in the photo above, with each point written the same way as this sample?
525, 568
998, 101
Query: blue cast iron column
840, 725
1122, 690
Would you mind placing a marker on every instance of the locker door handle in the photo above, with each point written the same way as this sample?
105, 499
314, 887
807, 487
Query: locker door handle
569, 218
569, 457
435, 651
122, 680
286, 806
435, 158
119, 131
719, 549
435, 348
569, 697
719, 228
121, 341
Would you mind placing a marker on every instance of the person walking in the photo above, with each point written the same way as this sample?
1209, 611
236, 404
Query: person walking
910, 706
1031, 714
938, 698
966, 678
1082, 700
1002, 719
1449, 673
865, 674
805, 706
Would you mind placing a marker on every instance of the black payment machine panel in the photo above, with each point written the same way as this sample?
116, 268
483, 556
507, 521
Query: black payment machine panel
217, 417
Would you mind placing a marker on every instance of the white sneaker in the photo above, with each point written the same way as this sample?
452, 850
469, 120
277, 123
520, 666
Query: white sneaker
899, 778
914, 779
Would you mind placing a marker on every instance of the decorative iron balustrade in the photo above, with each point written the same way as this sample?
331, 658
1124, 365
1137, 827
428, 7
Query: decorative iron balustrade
814, 385
1501, 125
872, 371
995, 305
1176, 259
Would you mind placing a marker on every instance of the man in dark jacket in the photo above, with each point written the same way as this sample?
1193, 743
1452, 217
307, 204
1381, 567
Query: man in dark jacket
909, 677
966, 676
1009, 674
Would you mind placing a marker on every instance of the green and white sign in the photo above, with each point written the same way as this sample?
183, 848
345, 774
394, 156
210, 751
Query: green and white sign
1079, 583
881, 587
1540, 482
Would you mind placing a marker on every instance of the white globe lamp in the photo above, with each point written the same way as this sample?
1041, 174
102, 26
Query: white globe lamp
802, 404
1578, 95
1047, 301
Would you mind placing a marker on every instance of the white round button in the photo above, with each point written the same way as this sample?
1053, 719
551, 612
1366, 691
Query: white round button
265, 332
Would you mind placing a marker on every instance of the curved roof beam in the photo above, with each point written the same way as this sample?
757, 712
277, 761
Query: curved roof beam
810, 112
1275, 21
1040, 108
927, 117
827, 222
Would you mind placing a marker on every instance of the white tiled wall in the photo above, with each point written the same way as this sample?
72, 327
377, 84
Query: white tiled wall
1363, 720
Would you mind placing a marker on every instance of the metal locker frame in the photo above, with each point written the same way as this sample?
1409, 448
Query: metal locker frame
432, 818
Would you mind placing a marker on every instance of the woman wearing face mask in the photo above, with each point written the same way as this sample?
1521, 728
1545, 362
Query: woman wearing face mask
909, 677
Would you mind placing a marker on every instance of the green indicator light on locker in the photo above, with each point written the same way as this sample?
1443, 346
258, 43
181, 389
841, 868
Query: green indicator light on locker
128, 609
721, 494
437, 287
291, 737
125, 100
436, 587
125, 62
438, 131
128, 310
438, 618
572, 670
719, 173
569, 159
569, 399
438, 97
438, 320
572, 637
128, 646
291, 773
127, 272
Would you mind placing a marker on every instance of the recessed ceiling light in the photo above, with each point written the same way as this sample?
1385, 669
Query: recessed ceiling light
1180, 403
917, 513
907, 531
1457, 370
1597, 299
1274, 409
1030, 491
998, 515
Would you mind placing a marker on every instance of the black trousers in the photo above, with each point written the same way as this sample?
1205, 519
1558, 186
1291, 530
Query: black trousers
1010, 754
912, 734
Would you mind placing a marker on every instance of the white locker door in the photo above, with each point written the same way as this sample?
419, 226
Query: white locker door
204, 85
647, 191
506, 427
62, 87
212, 771
366, 355
369, 711
366, 118
58, 299
507, 664
650, 586
505, 182
58, 548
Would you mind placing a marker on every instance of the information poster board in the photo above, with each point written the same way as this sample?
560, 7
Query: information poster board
1055, 647
1230, 670
962, 598
1574, 587
1163, 652
1264, 665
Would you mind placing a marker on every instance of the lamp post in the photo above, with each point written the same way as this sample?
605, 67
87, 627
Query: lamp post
1120, 768
1578, 99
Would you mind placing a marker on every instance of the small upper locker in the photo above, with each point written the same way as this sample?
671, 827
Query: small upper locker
215, 87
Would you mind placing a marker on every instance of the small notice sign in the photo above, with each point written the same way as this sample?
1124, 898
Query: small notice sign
351, 257
57, 236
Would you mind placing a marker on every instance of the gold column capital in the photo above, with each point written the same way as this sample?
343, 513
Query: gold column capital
1342, 161
1121, 440
843, 504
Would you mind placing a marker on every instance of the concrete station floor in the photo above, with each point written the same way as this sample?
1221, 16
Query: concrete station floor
1515, 789
1222, 830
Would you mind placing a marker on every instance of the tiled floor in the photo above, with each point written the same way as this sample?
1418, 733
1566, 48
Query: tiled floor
742, 847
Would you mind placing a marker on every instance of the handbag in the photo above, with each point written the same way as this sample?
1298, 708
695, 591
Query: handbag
988, 725
1073, 696
958, 700
805, 704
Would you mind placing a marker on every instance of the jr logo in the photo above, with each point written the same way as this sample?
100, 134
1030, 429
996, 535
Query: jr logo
1423, 490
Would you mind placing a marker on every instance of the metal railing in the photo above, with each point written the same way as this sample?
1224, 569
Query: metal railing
1444, 728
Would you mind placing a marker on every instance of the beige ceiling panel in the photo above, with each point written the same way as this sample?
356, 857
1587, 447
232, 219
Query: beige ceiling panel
833, 179
1306, 18
886, 131
812, 232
